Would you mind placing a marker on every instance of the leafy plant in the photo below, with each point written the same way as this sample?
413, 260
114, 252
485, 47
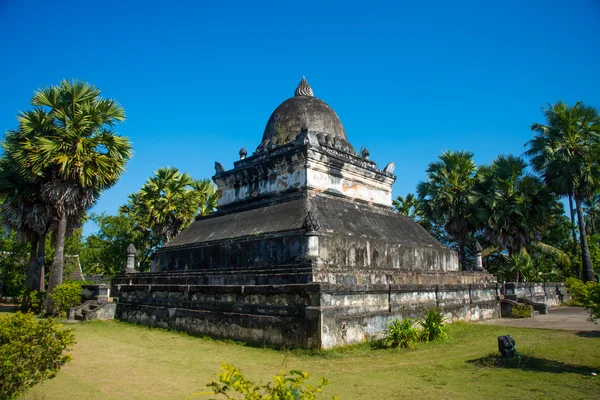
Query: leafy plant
286, 385
35, 300
31, 351
402, 333
66, 296
433, 324
521, 311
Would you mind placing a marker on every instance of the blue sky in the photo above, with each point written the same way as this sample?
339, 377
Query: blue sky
199, 79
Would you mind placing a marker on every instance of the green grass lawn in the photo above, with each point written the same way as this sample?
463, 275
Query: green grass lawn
114, 360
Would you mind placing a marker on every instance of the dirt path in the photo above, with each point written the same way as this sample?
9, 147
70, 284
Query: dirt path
562, 318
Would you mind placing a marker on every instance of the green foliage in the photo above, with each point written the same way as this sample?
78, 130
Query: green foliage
579, 290
30, 352
446, 196
36, 301
586, 294
521, 311
104, 252
402, 333
433, 324
287, 385
66, 296
167, 204
592, 303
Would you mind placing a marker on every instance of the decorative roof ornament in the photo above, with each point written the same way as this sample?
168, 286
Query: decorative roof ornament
243, 153
303, 89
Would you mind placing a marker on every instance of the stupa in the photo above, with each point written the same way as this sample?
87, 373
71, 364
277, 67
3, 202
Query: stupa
304, 249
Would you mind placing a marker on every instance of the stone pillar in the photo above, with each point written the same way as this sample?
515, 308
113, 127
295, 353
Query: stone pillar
478, 258
130, 268
311, 225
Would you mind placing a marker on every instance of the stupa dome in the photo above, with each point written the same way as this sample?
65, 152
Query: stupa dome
298, 112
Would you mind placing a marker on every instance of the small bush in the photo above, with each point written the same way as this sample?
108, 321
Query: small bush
30, 352
592, 301
578, 290
34, 301
286, 385
402, 333
433, 324
521, 311
66, 296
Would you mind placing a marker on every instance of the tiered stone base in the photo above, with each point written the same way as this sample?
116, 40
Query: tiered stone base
309, 315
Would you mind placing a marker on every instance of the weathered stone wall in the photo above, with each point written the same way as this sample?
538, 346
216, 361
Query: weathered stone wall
309, 315
351, 314
550, 293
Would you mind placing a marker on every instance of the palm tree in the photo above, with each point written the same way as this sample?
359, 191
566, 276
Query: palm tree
23, 211
77, 156
208, 196
168, 203
445, 196
512, 207
408, 206
565, 151
591, 208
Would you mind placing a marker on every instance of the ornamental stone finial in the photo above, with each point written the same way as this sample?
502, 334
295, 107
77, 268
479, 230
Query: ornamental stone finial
243, 153
303, 89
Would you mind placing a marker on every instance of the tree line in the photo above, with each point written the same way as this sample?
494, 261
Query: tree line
511, 208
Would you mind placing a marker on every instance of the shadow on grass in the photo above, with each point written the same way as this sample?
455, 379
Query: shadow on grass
589, 334
529, 363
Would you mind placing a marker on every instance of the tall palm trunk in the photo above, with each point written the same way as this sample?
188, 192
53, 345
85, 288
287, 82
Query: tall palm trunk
462, 253
38, 283
30, 276
56, 270
572, 223
586, 261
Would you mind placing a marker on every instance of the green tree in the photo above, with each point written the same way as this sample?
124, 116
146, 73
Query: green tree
591, 209
445, 196
512, 207
408, 206
68, 144
566, 152
23, 210
104, 252
167, 204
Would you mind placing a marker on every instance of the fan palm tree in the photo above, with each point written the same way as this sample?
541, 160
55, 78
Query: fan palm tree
168, 203
591, 208
565, 151
512, 206
408, 206
445, 196
24, 212
77, 156
208, 196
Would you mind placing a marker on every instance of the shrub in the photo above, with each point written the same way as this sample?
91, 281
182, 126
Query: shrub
433, 324
35, 301
285, 385
578, 290
30, 352
521, 311
66, 296
401, 333
592, 301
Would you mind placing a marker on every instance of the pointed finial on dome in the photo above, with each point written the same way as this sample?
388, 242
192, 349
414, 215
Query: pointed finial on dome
303, 89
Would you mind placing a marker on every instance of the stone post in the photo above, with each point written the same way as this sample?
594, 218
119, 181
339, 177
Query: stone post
478, 258
311, 225
130, 268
